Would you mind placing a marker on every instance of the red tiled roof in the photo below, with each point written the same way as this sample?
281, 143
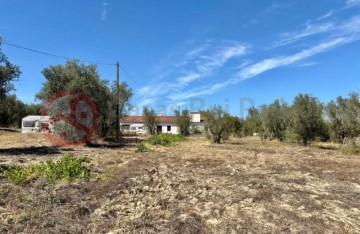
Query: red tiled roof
140, 119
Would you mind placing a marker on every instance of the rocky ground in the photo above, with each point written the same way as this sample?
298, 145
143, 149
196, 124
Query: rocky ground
242, 186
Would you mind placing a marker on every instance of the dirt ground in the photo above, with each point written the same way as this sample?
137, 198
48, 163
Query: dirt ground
242, 186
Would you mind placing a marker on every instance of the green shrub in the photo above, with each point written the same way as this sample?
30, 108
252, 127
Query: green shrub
165, 139
16, 174
67, 167
351, 148
195, 130
141, 148
291, 136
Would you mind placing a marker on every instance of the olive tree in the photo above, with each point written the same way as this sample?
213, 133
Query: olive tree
74, 76
274, 120
344, 117
252, 123
306, 118
182, 121
150, 119
109, 117
218, 124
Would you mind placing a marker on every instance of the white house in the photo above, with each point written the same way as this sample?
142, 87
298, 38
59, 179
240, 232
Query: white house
33, 123
197, 120
136, 124
166, 124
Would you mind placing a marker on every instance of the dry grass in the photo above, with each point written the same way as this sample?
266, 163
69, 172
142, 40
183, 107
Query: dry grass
243, 186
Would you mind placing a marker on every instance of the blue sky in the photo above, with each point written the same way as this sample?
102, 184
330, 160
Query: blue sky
194, 54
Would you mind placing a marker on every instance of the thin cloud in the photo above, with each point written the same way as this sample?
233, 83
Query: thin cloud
327, 15
265, 65
352, 3
147, 102
204, 90
252, 22
338, 29
277, 8
212, 62
304, 64
310, 30
206, 62
348, 5
203, 64
189, 78
272, 63
171, 62
104, 11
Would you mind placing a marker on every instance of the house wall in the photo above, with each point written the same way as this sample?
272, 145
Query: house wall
174, 128
199, 125
135, 128
195, 117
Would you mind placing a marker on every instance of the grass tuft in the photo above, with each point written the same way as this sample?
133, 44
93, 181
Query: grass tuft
351, 149
67, 168
165, 139
141, 148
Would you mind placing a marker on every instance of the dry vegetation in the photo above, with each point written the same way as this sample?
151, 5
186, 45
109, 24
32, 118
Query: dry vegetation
191, 187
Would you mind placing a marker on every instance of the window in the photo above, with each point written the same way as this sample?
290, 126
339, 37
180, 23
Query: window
28, 124
126, 127
140, 128
169, 128
133, 128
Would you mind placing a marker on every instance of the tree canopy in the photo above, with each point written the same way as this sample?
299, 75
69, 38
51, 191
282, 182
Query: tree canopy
8, 73
12, 111
274, 120
150, 118
85, 79
306, 117
182, 120
218, 124
344, 117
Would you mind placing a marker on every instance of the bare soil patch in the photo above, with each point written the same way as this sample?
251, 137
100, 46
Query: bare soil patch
243, 186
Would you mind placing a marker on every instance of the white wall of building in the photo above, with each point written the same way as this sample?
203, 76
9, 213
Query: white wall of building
165, 128
195, 117
139, 128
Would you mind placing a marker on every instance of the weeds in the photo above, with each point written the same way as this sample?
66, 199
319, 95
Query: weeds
67, 168
141, 148
165, 139
351, 148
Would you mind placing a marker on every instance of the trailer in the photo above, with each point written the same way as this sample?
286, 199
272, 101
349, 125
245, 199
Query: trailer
35, 124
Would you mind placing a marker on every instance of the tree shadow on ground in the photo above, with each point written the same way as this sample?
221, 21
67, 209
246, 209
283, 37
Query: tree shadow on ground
111, 143
10, 129
33, 150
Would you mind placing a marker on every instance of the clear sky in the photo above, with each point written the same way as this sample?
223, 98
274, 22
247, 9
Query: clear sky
191, 53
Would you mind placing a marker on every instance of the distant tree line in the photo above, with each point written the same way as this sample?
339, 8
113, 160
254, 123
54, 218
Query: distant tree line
13, 110
305, 120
